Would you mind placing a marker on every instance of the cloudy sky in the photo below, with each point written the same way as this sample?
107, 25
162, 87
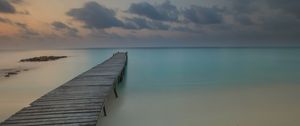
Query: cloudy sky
151, 23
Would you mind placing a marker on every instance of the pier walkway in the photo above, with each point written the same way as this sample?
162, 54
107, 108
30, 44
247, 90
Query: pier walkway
79, 102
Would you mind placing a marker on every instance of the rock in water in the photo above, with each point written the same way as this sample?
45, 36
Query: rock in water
42, 58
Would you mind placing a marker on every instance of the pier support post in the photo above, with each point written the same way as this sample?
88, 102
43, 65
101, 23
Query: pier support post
121, 77
116, 93
104, 111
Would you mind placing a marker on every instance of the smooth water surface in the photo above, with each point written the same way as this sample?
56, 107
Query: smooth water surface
180, 86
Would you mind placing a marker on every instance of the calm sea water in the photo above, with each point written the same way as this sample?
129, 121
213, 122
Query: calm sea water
178, 87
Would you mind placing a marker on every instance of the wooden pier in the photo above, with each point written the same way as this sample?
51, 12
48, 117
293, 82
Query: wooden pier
79, 102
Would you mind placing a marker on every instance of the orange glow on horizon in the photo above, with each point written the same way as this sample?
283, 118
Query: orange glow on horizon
8, 30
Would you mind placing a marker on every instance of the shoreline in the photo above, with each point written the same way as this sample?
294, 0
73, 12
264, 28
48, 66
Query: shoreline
10, 72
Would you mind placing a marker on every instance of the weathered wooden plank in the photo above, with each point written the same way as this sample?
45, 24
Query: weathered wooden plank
112, 73
74, 99
82, 96
54, 121
95, 77
86, 82
67, 98
63, 102
81, 123
62, 107
59, 115
77, 102
84, 90
58, 94
76, 89
57, 112
69, 101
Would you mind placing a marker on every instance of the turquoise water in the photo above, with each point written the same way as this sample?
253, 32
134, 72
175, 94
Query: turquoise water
184, 86
210, 87
218, 67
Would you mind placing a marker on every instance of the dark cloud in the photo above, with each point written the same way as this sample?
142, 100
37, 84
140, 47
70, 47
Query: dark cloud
244, 19
166, 11
6, 21
95, 16
104, 35
16, 1
141, 23
242, 10
26, 31
6, 7
25, 12
203, 15
244, 6
163, 12
241, 20
290, 6
281, 24
59, 26
236, 21
246, 11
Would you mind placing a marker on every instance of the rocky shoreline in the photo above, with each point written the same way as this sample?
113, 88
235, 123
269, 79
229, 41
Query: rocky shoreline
42, 58
6, 73
11, 72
